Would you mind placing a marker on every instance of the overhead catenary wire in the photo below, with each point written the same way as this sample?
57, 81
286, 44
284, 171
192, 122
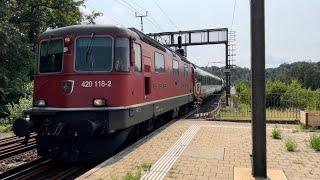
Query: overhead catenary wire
130, 7
155, 26
154, 21
168, 17
144, 9
151, 20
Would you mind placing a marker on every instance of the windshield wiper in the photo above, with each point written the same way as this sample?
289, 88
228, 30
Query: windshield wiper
48, 46
89, 46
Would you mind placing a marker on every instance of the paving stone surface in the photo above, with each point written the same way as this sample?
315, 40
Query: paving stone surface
212, 153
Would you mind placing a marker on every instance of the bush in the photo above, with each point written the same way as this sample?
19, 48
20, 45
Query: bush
307, 128
291, 145
315, 142
303, 126
276, 133
285, 94
4, 128
16, 110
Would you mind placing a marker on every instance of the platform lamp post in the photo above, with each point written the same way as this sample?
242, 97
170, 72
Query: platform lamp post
259, 163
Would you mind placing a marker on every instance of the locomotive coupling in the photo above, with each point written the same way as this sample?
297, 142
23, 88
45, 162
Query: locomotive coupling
22, 127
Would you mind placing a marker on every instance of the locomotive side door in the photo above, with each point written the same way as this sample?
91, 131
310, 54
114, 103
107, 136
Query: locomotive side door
147, 75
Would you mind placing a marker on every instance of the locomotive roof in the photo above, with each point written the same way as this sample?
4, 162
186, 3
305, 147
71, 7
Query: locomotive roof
88, 29
109, 29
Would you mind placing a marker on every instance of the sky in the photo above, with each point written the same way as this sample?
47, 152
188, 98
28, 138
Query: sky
292, 26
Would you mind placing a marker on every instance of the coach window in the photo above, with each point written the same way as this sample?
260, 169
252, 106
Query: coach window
51, 55
122, 55
159, 62
175, 67
93, 54
138, 57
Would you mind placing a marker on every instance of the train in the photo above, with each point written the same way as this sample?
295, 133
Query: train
95, 85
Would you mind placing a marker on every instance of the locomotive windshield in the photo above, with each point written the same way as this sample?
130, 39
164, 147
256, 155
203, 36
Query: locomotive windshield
51, 54
93, 54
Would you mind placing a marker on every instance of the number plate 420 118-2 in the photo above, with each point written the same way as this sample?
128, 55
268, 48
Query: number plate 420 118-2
96, 84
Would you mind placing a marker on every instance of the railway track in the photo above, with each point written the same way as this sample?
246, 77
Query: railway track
12, 146
209, 107
47, 169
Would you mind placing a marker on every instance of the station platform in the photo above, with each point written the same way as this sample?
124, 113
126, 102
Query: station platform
199, 149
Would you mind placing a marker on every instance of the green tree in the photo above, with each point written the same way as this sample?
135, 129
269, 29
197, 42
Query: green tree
21, 22
244, 90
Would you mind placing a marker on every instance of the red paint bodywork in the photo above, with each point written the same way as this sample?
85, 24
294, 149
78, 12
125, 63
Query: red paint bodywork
127, 87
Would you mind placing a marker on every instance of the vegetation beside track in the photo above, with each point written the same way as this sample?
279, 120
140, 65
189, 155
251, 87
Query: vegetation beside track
291, 94
20, 24
4, 128
283, 101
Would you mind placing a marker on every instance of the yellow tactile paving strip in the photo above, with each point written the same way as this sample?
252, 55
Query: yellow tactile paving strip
230, 144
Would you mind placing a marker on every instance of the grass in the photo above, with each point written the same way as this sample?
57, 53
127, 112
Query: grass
114, 177
306, 128
4, 128
314, 142
295, 130
171, 172
298, 162
132, 176
136, 174
303, 126
144, 166
276, 133
291, 145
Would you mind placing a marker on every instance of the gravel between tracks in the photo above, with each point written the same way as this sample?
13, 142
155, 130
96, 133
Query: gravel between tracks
18, 160
5, 135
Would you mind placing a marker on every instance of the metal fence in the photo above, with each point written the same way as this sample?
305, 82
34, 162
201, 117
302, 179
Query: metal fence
278, 108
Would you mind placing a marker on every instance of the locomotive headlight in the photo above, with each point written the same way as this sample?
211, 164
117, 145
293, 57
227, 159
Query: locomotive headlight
99, 102
40, 103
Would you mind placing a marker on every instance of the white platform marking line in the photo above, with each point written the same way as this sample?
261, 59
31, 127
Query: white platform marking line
167, 160
170, 163
171, 151
163, 160
169, 156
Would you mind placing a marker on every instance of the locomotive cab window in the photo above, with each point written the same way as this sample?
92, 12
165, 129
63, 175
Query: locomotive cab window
175, 67
122, 55
138, 57
50, 56
93, 54
159, 62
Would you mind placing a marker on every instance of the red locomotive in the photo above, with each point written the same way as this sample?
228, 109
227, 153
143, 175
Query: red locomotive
94, 85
